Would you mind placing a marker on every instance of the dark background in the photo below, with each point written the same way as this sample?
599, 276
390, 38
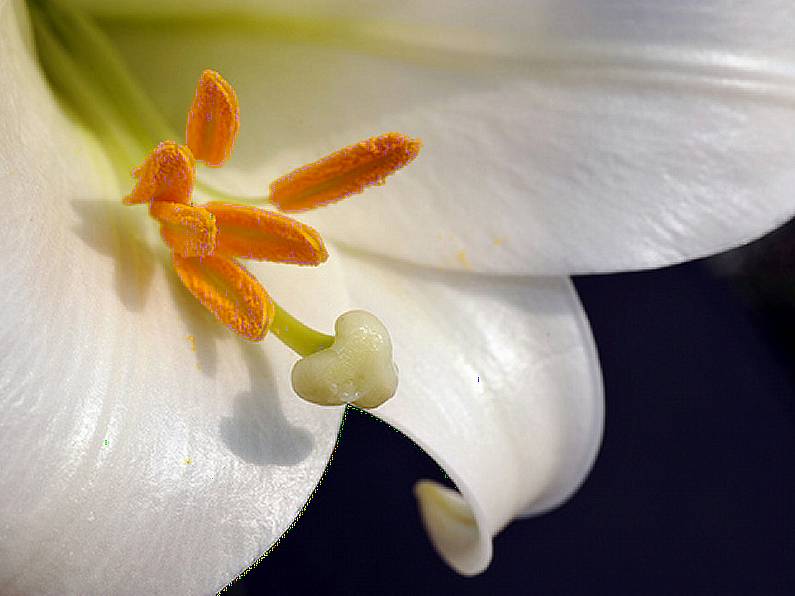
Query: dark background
693, 491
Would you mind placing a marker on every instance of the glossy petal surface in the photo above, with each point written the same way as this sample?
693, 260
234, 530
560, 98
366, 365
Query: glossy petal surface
499, 382
559, 137
143, 448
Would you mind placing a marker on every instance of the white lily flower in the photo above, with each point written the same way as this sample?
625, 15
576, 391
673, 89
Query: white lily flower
141, 440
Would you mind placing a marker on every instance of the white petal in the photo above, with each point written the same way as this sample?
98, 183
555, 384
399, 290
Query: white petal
499, 382
130, 462
566, 136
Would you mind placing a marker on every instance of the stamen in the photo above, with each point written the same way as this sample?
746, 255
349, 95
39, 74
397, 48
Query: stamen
189, 231
213, 120
254, 233
229, 291
167, 174
343, 173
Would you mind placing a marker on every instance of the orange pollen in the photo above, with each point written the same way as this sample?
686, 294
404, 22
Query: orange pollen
205, 241
253, 233
189, 231
229, 292
213, 120
167, 174
343, 173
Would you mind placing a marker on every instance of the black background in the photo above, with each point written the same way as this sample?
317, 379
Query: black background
693, 491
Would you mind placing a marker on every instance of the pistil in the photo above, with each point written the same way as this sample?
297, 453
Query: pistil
300, 338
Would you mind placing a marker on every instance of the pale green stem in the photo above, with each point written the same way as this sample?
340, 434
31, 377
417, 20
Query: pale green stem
295, 335
81, 96
94, 52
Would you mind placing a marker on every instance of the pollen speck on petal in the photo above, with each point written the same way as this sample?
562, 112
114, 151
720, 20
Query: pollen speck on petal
188, 230
344, 172
213, 120
228, 291
253, 233
167, 174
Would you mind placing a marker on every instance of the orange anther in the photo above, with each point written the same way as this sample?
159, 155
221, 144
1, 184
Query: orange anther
343, 173
229, 291
189, 231
213, 120
167, 174
254, 233
206, 241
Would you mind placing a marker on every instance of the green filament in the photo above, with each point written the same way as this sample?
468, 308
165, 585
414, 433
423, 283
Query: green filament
218, 194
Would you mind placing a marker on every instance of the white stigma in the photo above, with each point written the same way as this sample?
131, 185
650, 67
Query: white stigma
356, 369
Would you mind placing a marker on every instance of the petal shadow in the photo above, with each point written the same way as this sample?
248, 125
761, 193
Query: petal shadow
111, 232
258, 432
203, 330
109, 228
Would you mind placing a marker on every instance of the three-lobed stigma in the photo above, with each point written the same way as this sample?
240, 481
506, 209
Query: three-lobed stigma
356, 369
207, 241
